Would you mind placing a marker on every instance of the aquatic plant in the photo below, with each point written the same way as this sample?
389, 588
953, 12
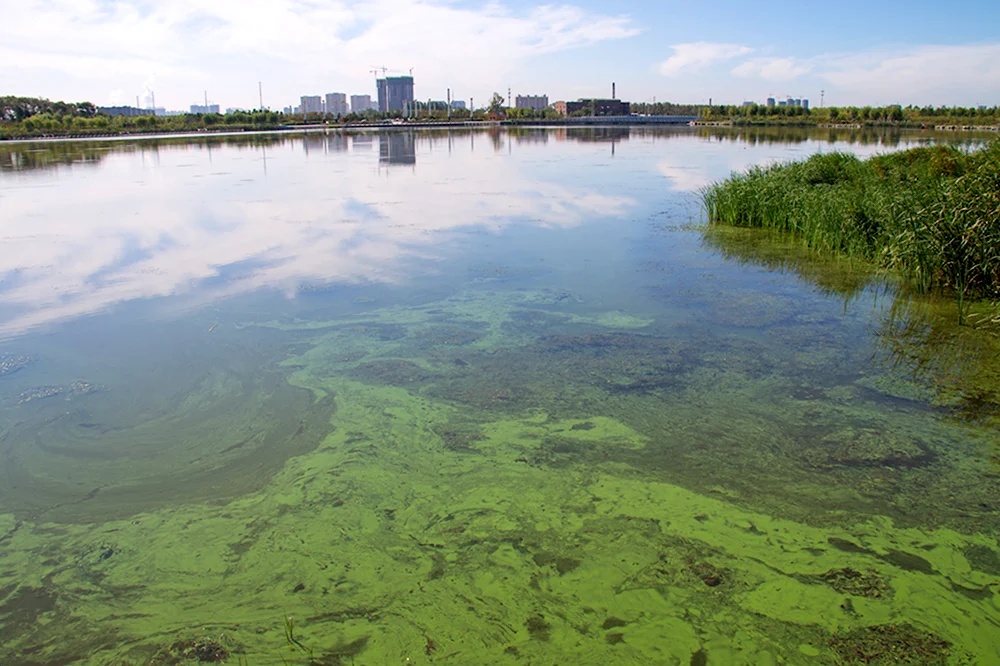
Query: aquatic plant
294, 644
929, 215
890, 644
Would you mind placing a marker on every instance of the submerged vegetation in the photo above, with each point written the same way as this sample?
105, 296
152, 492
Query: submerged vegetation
931, 215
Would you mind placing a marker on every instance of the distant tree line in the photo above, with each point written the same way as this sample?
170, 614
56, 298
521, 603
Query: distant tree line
666, 109
20, 108
30, 117
53, 123
874, 115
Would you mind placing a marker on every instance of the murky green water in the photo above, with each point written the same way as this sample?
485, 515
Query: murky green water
473, 398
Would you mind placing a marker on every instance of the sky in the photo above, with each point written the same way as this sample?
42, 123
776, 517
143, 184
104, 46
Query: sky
856, 53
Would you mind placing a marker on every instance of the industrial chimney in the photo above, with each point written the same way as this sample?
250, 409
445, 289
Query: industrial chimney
613, 90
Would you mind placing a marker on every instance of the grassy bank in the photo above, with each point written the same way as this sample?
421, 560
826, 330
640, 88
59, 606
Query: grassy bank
930, 215
864, 116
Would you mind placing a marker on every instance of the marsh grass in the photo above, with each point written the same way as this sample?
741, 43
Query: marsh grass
931, 215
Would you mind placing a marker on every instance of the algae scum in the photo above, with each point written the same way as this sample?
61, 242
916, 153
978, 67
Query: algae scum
474, 399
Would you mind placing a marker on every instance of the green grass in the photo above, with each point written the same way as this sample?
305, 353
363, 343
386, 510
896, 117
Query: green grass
930, 215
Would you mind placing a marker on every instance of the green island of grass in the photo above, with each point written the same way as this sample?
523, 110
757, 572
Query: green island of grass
929, 216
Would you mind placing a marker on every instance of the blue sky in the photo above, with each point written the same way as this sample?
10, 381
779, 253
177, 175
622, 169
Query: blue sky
108, 51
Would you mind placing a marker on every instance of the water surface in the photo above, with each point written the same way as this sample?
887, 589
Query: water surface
473, 397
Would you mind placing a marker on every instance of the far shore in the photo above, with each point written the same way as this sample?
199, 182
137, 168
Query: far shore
591, 121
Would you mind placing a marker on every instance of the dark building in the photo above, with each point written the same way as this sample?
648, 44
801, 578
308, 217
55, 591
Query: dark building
394, 92
598, 107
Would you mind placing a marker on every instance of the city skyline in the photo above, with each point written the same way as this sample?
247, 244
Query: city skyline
109, 51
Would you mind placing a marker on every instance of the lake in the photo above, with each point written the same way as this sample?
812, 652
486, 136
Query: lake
474, 397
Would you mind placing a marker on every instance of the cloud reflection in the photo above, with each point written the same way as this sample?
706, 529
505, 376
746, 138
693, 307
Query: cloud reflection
203, 220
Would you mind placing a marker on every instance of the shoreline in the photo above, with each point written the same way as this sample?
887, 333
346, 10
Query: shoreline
608, 121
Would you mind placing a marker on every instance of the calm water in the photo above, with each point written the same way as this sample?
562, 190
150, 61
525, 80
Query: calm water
473, 398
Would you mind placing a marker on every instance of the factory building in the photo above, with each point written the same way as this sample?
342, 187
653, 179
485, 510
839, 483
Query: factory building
536, 102
599, 107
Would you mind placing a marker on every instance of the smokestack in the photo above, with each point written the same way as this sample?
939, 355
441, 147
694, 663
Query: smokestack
613, 90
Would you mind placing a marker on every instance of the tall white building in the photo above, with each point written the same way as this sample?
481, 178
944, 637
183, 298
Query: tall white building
336, 104
361, 103
311, 104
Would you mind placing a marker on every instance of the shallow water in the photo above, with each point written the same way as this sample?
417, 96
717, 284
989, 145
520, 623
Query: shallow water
473, 398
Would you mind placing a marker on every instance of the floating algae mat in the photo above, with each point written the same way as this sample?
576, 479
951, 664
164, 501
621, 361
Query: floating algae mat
580, 431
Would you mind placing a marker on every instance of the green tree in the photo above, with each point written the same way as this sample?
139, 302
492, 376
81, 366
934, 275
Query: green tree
496, 104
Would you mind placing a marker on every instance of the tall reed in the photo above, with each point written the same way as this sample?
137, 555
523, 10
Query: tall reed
930, 214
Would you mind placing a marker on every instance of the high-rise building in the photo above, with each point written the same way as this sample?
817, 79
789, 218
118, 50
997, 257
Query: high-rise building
361, 103
458, 104
382, 95
336, 104
395, 93
310, 104
536, 102
204, 108
770, 101
805, 104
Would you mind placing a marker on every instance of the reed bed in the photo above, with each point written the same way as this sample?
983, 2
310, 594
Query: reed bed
931, 215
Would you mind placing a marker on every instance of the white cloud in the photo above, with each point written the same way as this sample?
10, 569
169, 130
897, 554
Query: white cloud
697, 55
928, 74
922, 74
330, 45
772, 69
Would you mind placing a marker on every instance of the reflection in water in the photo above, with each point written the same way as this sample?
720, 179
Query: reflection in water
784, 253
917, 336
920, 338
868, 136
600, 134
187, 223
21, 156
280, 236
362, 141
397, 148
24, 157
529, 135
